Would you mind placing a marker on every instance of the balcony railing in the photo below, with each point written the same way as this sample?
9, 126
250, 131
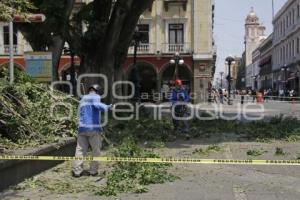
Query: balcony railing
142, 49
6, 49
181, 48
165, 48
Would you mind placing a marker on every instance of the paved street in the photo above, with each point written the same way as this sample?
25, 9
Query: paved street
250, 109
205, 182
269, 108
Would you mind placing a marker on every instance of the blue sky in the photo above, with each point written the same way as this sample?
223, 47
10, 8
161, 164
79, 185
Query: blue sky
229, 24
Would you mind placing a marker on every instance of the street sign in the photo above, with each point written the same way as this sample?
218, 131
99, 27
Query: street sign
39, 65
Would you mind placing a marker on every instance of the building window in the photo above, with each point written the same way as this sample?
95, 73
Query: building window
144, 32
286, 52
6, 36
176, 34
297, 48
293, 48
293, 16
290, 50
281, 28
298, 11
283, 54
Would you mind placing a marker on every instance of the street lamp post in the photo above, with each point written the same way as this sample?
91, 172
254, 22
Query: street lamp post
229, 60
285, 69
177, 60
221, 74
255, 81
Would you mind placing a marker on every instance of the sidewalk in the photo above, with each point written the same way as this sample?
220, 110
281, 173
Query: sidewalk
205, 182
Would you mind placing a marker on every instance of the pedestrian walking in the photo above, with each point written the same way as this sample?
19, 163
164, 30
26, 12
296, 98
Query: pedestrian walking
281, 94
253, 93
221, 96
215, 95
242, 93
291, 95
89, 131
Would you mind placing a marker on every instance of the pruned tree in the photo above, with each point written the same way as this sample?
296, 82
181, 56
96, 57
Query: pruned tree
50, 35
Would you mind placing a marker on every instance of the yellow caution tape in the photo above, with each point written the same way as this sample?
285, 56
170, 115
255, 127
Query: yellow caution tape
156, 160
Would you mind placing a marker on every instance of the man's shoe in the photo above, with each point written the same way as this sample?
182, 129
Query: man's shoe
187, 136
76, 175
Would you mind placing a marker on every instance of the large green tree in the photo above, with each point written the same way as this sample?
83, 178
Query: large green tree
99, 32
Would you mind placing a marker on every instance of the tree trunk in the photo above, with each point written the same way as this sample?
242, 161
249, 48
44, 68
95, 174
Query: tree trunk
54, 35
106, 57
56, 48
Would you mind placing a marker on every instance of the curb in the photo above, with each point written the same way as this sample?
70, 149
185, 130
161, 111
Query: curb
13, 172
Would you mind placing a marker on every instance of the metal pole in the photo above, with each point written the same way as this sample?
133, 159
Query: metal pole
72, 71
285, 80
229, 82
176, 67
11, 53
134, 53
135, 71
221, 80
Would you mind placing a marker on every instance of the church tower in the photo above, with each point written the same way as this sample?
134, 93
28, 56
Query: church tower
254, 34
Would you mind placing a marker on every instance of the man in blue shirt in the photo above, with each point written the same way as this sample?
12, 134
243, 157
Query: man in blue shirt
89, 131
179, 99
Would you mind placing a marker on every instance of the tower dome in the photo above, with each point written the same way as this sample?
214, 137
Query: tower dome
252, 17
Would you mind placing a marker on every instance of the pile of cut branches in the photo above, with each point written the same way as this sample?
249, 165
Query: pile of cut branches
134, 177
29, 113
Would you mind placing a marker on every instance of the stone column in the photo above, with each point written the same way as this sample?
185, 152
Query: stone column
202, 72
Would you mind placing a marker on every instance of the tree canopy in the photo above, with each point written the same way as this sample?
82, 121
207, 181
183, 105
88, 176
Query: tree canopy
9, 8
99, 32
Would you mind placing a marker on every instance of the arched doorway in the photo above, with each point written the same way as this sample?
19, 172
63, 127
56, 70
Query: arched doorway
147, 77
184, 74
